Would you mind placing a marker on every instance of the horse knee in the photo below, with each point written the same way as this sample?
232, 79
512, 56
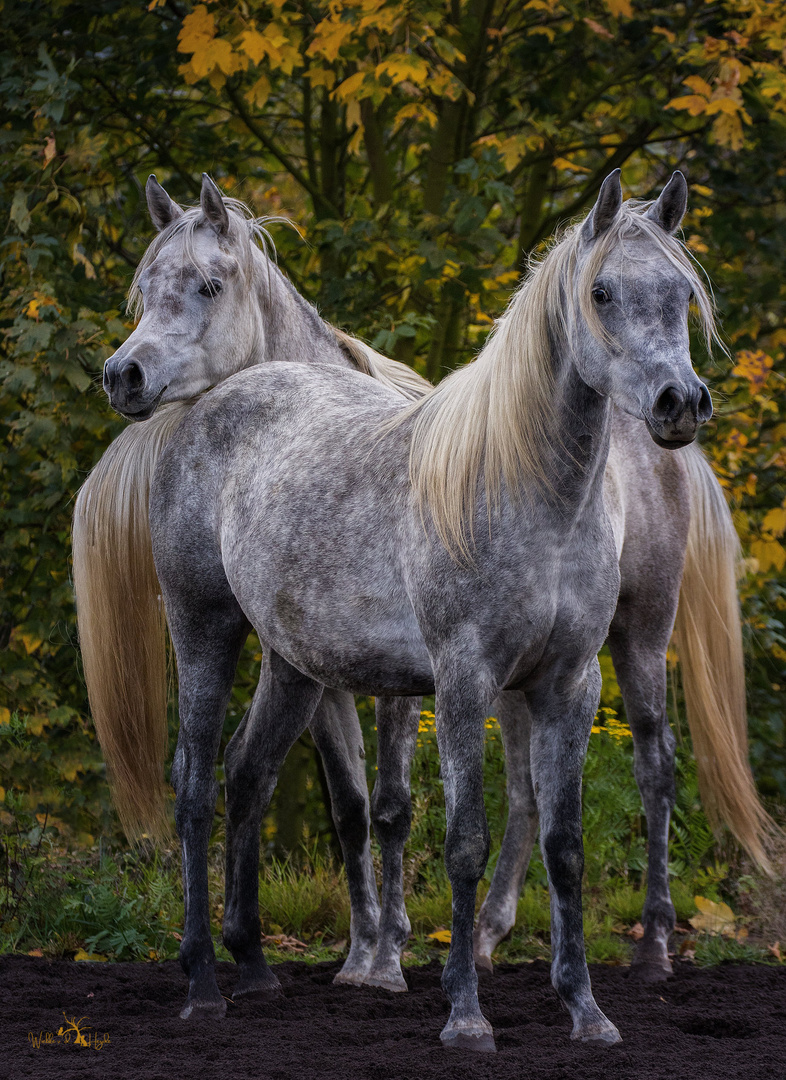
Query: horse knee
564, 856
467, 850
350, 816
391, 815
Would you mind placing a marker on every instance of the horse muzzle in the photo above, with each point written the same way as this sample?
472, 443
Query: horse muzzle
128, 390
677, 414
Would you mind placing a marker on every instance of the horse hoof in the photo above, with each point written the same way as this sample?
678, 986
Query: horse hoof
357, 977
460, 1040
204, 1010
649, 972
392, 982
256, 988
484, 965
605, 1034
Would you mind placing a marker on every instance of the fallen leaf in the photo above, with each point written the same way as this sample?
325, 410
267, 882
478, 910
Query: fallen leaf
636, 931
39, 952
283, 941
776, 951
441, 935
688, 949
82, 955
713, 918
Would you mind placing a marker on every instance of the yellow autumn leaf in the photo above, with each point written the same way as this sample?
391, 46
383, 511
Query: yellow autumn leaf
30, 642
329, 36
404, 66
768, 554
82, 955
775, 521
694, 104
349, 86
699, 85
714, 917
258, 94
723, 104
253, 45
414, 111
442, 936
564, 165
620, 7
322, 76
197, 27
727, 131
5, 715
753, 365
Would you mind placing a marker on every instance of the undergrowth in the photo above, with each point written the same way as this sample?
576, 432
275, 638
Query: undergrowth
99, 902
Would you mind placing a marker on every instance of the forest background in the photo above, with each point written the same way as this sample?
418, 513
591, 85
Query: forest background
425, 150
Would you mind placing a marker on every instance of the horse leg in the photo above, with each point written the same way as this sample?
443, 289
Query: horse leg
337, 735
461, 735
560, 733
391, 811
498, 913
640, 663
206, 658
282, 708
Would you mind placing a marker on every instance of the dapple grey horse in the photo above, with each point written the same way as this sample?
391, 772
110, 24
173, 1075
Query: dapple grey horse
475, 556
651, 532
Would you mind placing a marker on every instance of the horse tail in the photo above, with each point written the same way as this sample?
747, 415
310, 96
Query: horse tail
708, 637
391, 373
121, 619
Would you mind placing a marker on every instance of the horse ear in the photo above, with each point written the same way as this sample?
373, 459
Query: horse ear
213, 206
162, 209
605, 209
670, 208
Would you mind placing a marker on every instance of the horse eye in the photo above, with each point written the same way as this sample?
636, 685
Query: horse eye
210, 288
600, 296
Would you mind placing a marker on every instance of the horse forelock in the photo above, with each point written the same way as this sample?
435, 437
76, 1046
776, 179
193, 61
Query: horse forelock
246, 234
495, 417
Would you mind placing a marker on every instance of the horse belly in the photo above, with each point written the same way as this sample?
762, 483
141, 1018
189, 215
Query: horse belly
328, 598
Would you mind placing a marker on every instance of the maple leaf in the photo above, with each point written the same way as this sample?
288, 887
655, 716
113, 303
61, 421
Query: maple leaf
197, 26
404, 66
254, 45
714, 917
775, 521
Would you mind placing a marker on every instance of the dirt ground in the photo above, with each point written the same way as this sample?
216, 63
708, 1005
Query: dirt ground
703, 1024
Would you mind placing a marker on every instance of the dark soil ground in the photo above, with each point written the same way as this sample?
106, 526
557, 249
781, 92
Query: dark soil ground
703, 1024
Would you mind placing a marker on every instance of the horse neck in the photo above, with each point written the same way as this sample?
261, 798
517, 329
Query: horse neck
292, 328
583, 421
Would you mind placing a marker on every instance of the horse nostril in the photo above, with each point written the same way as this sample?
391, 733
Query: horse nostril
110, 377
703, 405
669, 405
132, 376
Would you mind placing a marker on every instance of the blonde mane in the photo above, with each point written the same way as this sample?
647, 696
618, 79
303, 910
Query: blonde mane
494, 418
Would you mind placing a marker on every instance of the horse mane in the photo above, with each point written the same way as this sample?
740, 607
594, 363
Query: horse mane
494, 418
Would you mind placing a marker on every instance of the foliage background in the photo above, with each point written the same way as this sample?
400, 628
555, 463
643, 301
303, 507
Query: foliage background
425, 150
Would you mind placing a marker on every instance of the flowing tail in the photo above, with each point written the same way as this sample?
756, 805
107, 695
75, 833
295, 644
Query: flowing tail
122, 624
708, 638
